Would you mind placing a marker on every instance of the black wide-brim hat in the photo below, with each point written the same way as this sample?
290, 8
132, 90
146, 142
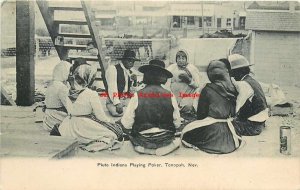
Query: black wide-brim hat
155, 66
129, 54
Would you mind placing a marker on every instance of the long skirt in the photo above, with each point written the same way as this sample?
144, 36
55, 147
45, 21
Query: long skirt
92, 135
211, 135
53, 117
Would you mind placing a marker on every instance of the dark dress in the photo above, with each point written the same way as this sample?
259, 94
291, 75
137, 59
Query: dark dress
218, 103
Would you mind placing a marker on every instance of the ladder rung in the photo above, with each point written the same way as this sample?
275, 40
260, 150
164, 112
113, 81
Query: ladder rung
98, 79
64, 4
71, 46
76, 22
66, 8
88, 58
98, 69
74, 35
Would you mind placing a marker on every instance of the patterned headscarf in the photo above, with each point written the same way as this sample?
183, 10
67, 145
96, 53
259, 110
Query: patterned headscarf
84, 76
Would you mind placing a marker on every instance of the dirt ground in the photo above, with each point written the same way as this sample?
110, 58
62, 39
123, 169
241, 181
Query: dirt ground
264, 145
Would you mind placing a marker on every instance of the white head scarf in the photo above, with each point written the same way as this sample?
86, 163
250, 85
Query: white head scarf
187, 58
186, 53
61, 71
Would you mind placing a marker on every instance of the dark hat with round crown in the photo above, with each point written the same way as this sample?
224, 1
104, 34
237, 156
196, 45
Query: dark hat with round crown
156, 66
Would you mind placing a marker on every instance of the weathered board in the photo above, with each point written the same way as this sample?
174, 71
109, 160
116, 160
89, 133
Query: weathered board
22, 137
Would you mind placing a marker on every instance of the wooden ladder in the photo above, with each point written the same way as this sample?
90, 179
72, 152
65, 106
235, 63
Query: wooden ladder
53, 25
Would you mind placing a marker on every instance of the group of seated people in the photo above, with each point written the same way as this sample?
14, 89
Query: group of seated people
151, 115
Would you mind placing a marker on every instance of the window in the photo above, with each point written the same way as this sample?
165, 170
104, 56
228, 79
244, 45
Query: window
228, 22
176, 22
207, 20
242, 21
219, 22
190, 20
234, 22
200, 21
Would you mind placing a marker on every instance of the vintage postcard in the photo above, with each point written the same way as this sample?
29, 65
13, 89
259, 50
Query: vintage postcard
135, 94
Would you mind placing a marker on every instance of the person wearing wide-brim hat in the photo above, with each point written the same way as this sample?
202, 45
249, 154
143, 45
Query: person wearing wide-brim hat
153, 110
253, 114
120, 81
129, 55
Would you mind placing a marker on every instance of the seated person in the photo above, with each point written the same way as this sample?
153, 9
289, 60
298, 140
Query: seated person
55, 96
152, 114
86, 119
254, 112
74, 68
120, 80
213, 131
93, 51
186, 80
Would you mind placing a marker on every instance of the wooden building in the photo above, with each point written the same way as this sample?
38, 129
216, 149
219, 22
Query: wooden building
275, 41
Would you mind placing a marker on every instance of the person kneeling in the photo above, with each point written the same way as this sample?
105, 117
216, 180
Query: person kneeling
55, 97
152, 115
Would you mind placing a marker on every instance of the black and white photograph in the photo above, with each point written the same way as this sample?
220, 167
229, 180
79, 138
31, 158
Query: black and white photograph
143, 90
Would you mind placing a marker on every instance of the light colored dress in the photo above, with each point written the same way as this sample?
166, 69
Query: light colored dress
86, 130
179, 88
55, 97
